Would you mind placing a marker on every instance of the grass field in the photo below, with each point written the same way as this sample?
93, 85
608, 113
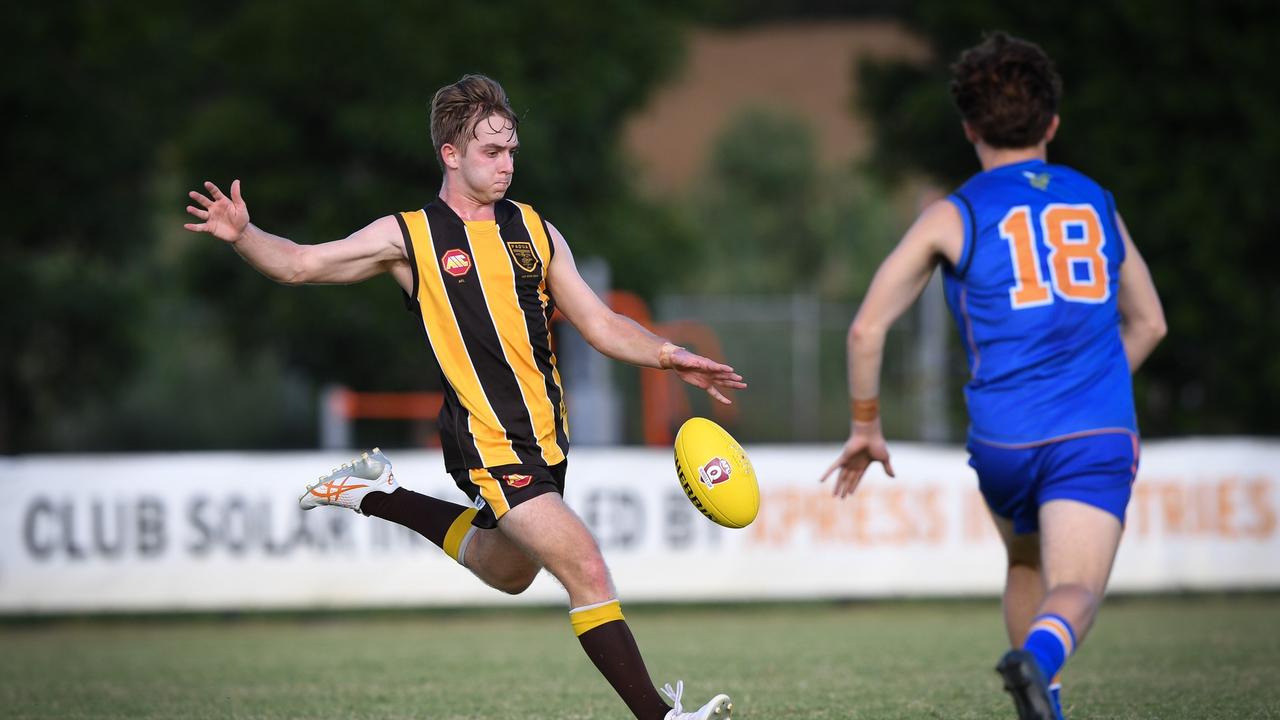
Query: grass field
1168, 658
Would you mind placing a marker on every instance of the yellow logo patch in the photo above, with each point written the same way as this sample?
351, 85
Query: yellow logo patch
522, 252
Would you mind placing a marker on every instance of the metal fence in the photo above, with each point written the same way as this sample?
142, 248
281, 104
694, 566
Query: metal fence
792, 351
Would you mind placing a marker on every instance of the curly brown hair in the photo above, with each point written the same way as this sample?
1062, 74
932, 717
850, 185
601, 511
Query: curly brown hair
1007, 90
457, 108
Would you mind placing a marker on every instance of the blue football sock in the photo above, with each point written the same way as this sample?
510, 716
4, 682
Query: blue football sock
1055, 694
1050, 641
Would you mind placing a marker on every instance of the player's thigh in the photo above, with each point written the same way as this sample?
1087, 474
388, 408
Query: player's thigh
1077, 544
550, 532
493, 551
1021, 548
1083, 496
496, 490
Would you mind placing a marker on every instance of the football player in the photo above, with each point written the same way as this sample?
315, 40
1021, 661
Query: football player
484, 275
1056, 309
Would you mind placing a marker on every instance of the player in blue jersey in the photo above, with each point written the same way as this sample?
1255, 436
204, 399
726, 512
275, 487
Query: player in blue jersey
1056, 309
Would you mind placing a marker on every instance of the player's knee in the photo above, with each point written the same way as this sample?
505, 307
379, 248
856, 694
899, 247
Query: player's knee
514, 583
594, 574
1079, 595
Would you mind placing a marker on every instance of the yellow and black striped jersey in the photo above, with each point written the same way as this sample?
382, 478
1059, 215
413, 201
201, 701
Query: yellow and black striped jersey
480, 288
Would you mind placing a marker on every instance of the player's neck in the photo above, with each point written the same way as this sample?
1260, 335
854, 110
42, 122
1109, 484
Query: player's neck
992, 158
464, 204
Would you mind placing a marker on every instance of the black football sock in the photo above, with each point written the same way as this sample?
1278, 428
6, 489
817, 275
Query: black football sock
440, 521
609, 643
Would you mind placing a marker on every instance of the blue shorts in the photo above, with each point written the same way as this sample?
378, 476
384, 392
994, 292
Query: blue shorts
1097, 470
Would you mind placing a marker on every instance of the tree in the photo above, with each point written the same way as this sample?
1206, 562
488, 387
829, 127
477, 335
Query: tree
135, 334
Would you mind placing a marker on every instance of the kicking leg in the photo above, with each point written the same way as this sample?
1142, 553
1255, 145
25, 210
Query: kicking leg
487, 553
369, 486
550, 532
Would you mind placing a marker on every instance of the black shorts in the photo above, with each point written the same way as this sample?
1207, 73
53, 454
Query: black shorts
495, 490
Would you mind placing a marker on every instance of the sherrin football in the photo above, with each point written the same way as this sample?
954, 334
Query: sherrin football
715, 473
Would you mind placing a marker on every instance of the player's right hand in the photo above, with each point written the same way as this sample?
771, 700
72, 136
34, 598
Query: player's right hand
865, 445
706, 373
223, 217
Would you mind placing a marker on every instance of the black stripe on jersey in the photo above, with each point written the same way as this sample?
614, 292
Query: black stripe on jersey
551, 242
410, 300
537, 321
453, 424
449, 423
484, 347
972, 236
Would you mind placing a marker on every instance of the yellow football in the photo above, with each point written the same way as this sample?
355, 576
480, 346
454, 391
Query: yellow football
716, 474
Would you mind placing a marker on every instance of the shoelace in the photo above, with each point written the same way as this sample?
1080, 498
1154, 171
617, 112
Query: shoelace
674, 694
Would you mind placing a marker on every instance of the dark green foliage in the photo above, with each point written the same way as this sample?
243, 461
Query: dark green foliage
124, 331
772, 219
1174, 108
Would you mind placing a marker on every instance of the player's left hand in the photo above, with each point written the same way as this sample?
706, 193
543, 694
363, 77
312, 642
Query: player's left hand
865, 445
705, 373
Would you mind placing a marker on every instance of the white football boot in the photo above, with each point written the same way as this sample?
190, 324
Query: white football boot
718, 708
346, 486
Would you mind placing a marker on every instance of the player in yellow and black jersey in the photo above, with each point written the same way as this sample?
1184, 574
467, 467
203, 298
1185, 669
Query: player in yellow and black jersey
480, 288
485, 275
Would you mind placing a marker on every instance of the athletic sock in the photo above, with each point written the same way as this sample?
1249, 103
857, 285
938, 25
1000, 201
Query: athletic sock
609, 643
446, 524
1050, 641
1055, 695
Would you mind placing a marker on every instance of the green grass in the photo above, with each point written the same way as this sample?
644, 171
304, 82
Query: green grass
1186, 657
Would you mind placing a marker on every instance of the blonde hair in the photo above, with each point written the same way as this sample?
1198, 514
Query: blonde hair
457, 108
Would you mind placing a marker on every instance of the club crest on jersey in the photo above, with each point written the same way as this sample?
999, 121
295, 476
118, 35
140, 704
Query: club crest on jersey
456, 262
517, 481
522, 252
714, 472
1039, 181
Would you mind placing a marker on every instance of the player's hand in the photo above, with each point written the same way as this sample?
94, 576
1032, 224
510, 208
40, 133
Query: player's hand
705, 373
222, 217
865, 445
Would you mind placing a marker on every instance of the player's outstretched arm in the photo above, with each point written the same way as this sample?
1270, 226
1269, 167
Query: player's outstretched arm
1142, 323
374, 249
937, 233
622, 338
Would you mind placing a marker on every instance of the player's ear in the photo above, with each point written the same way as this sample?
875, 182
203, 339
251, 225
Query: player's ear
969, 133
452, 156
1052, 129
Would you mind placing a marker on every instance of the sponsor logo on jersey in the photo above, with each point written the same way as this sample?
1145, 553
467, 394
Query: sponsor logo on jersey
714, 472
456, 262
479, 502
522, 252
516, 480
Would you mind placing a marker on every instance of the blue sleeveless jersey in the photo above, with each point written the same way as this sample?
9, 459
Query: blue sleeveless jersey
1034, 297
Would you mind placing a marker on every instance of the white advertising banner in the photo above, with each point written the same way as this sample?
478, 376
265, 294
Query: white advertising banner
223, 531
